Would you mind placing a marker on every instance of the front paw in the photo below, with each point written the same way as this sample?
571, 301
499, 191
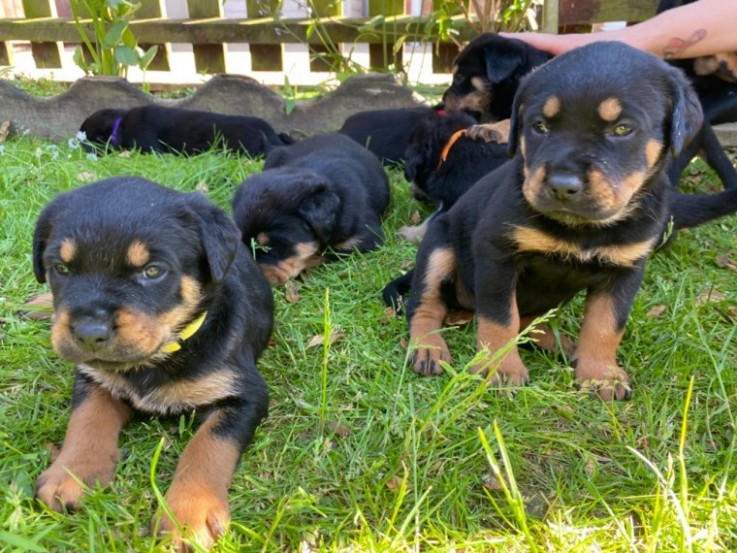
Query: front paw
427, 357
62, 485
511, 371
606, 380
201, 517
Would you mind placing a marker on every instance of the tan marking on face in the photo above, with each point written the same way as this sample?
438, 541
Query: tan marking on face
198, 496
479, 83
523, 151
67, 250
612, 197
610, 109
138, 254
89, 452
306, 256
534, 184
535, 240
653, 149
551, 107
348, 245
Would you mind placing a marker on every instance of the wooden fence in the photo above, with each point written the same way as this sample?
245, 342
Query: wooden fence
243, 36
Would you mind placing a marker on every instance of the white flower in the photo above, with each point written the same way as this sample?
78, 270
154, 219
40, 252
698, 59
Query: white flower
73, 143
92, 156
81, 136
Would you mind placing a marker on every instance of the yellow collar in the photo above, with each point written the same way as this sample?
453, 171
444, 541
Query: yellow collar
446, 149
186, 333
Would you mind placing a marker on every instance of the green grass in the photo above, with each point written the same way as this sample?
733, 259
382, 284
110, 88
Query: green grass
360, 454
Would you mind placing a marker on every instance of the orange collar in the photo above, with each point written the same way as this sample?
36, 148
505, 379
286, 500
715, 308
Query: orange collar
448, 145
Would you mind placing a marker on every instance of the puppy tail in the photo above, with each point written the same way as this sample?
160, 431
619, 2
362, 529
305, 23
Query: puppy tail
691, 210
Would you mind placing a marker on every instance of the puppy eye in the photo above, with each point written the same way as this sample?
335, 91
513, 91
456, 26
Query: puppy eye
61, 269
153, 272
540, 127
622, 130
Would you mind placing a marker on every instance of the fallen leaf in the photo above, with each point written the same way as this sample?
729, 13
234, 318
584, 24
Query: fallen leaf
727, 262
319, 339
404, 343
202, 187
291, 291
339, 430
415, 218
394, 483
4, 131
656, 311
712, 295
491, 482
86, 176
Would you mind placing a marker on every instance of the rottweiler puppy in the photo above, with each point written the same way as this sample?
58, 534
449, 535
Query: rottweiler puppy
163, 311
580, 207
386, 132
323, 195
163, 129
487, 73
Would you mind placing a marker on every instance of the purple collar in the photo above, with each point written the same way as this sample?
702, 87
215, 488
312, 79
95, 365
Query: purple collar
115, 135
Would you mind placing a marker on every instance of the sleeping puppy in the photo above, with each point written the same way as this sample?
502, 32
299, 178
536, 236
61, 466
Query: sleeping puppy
386, 132
163, 129
579, 208
323, 195
163, 312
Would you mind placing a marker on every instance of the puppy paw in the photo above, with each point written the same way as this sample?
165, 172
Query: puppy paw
202, 517
512, 372
605, 380
61, 486
39, 307
413, 234
426, 359
490, 132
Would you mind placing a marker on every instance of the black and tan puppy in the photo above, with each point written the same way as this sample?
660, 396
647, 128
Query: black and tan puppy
164, 129
163, 311
321, 195
579, 208
386, 132
487, 73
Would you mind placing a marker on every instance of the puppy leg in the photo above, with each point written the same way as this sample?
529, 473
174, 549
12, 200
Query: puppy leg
198, 496
90, 448
595, 359
427, 310
546, 339
498, 323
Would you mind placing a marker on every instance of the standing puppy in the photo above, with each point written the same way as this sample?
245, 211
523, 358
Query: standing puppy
578, 209
163, 311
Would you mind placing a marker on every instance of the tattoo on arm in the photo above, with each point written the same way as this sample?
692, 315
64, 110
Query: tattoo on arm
677, 46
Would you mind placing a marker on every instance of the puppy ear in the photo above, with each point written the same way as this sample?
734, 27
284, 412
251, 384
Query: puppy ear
515, 122
500, 67
218, 234
44, 226
687, 115
320, 210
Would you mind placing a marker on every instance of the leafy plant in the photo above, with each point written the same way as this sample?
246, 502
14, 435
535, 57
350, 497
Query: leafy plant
113, 48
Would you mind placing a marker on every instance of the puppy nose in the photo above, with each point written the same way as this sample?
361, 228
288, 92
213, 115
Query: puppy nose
91, 333
564, 186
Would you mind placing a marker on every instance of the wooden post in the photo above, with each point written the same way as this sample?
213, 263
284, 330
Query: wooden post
208, 58
264, 57
155, 9
46, 54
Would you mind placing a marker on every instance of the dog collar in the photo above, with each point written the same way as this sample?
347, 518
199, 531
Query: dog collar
448, 145
186, 333
115, 134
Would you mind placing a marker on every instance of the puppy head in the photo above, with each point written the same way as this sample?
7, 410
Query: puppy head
287, 217
486, 74
99, 126
595, 126
130, 264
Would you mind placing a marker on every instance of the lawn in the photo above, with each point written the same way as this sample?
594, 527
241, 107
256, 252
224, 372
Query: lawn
359, 453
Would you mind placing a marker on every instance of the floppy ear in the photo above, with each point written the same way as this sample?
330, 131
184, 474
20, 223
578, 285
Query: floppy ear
515, 122
41, 234
500, 67
218, 234
687, 116
320, 210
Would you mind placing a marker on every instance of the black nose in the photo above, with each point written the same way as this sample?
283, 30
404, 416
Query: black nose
92, 333
564, 186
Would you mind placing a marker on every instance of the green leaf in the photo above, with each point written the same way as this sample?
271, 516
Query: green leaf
126, 55
114, 34
147, 57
